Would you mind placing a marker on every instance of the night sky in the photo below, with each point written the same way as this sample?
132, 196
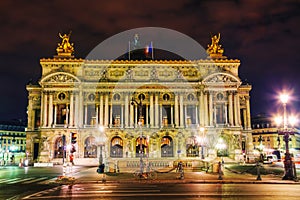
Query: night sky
263, 34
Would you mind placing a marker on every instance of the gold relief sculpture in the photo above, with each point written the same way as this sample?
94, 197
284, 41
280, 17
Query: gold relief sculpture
215, 49
65, 48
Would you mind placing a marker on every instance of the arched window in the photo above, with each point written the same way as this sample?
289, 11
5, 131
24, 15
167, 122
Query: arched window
117, 97
90, 148
58, 148
166, 97
141, 146
116, 147
192, 148
166, 147
142, 97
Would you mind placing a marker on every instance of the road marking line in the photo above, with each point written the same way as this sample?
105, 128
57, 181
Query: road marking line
35, 180
20, 180
12, 180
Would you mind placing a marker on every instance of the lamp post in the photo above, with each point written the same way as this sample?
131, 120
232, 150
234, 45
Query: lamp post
221, 146
260, 148
201, 141
101, 142
288, 163
140, 123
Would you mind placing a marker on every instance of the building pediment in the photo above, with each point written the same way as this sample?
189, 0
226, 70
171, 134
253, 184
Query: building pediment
60, 77
221, 78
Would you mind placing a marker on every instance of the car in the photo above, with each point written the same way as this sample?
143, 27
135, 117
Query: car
270, 159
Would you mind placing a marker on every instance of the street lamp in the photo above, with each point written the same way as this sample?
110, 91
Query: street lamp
201, 141
260, 148
101, 142
221, 146
140, 123
289, 173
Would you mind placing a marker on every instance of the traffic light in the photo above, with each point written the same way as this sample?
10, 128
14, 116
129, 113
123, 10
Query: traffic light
73, 138
73, 149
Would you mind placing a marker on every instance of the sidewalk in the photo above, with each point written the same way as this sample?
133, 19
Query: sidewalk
191, 177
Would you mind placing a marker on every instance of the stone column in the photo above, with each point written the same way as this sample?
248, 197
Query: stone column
196, 114
131, 116
45, 109
156, 111
122, 116
244, 118
76, 111
181, 111
71, 109
201, 110
80, 110
176, 110
238, 109
211, 109
32, 121
248, 112
111, 115
126, 110
160, 115
55, 114
50, 115
225, 113
136, 112
85, 114
97, 114
205, 109
146, 116
236, 119
101, 110
151, 111
185, 115
106, 109
230, 109
172, 118
67, 115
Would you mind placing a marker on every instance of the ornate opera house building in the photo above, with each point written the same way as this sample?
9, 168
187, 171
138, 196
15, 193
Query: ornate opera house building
124, 110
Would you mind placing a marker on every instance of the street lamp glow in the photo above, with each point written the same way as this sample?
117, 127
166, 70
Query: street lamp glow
284, 98
101, 128
202, 129
278, 120
293, 120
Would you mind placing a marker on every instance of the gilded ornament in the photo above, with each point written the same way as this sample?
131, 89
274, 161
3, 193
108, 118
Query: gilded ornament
215, 50
65, 48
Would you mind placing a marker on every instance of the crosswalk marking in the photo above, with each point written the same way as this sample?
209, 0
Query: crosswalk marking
19, 180
35, 180
9, 180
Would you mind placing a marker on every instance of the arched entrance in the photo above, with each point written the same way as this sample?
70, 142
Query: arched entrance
58, 148
192, 148
116, 147
90, 148
166, 147
141, 147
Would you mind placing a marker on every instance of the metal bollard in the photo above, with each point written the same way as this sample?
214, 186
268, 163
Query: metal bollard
220, 171
258, 171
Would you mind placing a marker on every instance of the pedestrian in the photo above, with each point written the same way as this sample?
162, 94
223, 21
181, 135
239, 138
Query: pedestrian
180, 170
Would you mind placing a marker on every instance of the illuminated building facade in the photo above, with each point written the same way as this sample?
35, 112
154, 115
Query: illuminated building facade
266, 137
163, 110
12, 142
